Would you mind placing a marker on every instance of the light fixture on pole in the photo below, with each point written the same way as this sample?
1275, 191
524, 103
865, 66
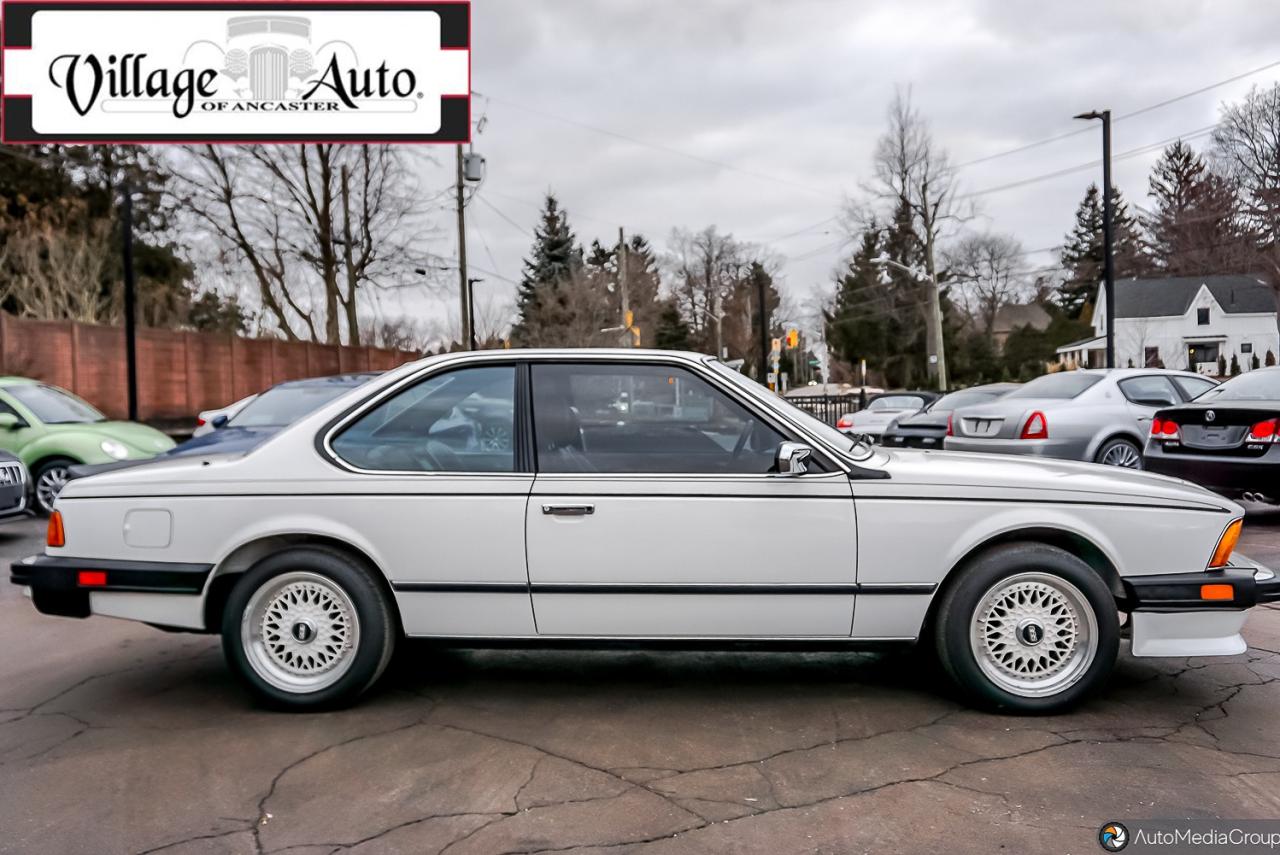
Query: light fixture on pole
1108, 233
937, 360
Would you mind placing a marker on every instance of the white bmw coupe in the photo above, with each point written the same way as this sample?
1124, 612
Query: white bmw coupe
578, 495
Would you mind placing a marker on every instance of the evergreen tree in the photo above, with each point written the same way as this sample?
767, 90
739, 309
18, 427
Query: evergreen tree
1082, 252
556, 258
671, 332
1192, 227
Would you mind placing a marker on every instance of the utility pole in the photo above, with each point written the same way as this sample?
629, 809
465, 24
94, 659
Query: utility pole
130, 300
933, 323
465, 312
471, 312
766, 346
1108, 232
622, 289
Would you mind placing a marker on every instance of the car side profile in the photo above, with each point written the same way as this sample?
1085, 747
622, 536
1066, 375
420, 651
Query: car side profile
1099, 415
51, 430
604, 496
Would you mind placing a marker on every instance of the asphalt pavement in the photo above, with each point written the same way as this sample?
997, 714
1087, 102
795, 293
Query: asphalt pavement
118, 738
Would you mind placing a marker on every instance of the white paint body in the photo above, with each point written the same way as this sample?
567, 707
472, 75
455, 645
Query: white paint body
868, 544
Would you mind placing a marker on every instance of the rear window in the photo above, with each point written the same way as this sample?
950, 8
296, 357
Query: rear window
1254, 386
1063, 386
897, 402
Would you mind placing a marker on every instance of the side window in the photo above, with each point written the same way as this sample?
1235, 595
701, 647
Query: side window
1150, 391
643, 419
1193, 387
459, 421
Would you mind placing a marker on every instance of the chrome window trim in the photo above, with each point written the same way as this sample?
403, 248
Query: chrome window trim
697, 363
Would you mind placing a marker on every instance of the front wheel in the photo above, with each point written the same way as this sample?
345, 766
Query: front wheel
308, 629
48, 480
1028, 628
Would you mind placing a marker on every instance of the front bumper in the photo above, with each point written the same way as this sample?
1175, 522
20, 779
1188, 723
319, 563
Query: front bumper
1168, 615
57, 587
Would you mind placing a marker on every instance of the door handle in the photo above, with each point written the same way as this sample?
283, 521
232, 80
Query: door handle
569, 510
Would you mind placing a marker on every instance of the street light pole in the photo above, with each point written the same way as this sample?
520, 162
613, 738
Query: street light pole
465, 313
130, 301
471, 312
1108, 232
933, 321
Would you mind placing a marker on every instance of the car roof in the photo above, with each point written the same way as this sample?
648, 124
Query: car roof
19, 381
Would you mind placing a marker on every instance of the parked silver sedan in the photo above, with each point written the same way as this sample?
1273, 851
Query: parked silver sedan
1098, 415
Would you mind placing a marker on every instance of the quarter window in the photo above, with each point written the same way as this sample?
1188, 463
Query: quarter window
459, 421
643, 419
1150, 391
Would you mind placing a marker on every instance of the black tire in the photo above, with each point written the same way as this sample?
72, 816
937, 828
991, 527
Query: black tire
367, 607
1122, 448
43, 469
954, 631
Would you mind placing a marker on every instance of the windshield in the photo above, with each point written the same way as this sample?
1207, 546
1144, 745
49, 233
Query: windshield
963, 398
53, 406
897, 402
284, 405
1254, 386
1064, 385
830, 435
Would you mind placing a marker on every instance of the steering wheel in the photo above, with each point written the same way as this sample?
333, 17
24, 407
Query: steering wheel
747, 430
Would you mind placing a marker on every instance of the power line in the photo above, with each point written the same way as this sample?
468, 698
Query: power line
510, 221
1129, 115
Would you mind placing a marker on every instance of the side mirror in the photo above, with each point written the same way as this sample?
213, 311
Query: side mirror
792, 458
219, 420
10, 421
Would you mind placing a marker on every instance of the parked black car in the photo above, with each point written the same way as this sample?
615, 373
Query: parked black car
927, 428
1227, 439
14, 498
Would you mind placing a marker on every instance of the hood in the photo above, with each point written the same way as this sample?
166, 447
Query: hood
143, 439
225, 440
1015, 477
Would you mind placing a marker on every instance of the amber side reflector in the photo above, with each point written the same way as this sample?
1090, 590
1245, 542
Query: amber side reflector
1226, 543
1217, 592
54, 535
98, 578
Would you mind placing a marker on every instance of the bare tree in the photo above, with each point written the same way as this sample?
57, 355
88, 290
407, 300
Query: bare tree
55, 272
706, 269
1246, 145
313, 224
985, 266
911, 171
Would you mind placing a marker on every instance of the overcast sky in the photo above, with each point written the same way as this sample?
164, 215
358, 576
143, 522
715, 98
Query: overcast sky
760, 118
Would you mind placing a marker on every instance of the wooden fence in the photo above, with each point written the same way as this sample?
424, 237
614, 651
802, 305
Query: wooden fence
179, 373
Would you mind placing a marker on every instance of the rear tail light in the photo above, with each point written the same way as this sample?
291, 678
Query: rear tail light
1226, 543
1164, 428
55, 535
844, 422
199, 422
91, 578
1266, 431
951, 431
1037, 427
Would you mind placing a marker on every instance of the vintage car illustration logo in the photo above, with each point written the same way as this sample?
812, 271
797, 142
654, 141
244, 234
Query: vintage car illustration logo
168, 71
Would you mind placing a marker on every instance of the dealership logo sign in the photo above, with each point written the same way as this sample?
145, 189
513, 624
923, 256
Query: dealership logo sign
236, 71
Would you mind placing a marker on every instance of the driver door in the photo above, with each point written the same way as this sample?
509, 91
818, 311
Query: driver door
654, 513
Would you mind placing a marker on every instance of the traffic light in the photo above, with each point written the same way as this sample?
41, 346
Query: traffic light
793, 339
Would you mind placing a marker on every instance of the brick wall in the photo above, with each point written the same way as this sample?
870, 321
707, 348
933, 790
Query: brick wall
179, 373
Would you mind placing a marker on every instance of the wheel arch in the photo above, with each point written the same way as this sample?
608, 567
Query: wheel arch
241, 559
1067, 540
1116, 433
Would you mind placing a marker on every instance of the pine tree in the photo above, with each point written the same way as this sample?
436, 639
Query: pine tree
555, 259
671, 332
1082, 252
1192, 227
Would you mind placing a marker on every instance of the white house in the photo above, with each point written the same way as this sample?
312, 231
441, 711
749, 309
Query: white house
1183, 322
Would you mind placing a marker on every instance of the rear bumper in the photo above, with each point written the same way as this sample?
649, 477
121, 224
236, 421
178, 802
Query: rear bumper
56, 587
1060, 449
1226, 475
1169, 617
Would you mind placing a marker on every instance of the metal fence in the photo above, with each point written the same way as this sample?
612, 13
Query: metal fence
828, 408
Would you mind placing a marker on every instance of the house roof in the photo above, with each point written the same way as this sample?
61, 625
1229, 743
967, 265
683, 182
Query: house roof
1172, 296
1083, 343
1016, 315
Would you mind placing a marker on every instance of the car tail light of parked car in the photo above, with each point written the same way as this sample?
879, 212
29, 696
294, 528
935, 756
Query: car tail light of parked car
1164, 429
1037, 427
845, 422
1265, 431
951, 429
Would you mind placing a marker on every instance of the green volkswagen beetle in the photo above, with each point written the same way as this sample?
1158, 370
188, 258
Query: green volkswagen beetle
51, 430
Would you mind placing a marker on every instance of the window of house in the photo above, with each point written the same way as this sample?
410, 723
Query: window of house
1202, 317
1246, 347
1151, 357
643, 419
459, 421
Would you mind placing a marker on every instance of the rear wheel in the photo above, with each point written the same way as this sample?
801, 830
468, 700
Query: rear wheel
48, 480
1120, 452
308, 628
1028, 627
